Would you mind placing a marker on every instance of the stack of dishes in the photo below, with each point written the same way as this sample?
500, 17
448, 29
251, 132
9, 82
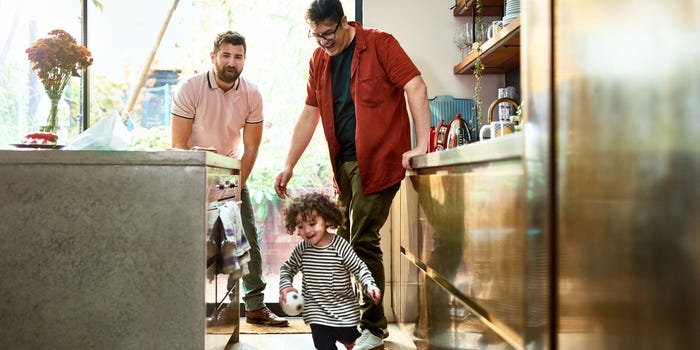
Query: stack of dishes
512, 11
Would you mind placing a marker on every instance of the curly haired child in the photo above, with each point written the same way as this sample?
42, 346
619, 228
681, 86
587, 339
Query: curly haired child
327, 263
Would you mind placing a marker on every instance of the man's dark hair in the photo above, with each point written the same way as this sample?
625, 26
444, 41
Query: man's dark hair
321, 10
229, 37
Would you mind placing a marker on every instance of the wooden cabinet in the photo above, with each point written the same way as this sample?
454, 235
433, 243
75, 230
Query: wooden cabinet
499, 54
467, 253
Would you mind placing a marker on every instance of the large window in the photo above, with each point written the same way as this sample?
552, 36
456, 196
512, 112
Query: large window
142, 50
23, 103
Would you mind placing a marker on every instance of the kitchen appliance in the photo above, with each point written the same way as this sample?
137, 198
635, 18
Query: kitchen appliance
458, 133
441, 136
431, 145
444, 108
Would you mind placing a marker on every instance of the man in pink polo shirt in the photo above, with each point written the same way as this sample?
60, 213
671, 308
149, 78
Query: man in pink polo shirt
210, 110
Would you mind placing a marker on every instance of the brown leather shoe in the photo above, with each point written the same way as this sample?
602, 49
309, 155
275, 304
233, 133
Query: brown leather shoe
228, 316
265, 317
224, 317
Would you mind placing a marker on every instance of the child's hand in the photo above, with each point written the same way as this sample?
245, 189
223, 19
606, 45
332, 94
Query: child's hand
375, 293
283, 294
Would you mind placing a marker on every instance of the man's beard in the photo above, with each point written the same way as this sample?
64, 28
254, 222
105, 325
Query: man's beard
228, 77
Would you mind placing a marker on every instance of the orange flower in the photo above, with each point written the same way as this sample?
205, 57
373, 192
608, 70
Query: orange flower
56, 59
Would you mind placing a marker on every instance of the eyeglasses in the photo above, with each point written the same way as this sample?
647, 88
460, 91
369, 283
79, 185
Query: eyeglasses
328, 35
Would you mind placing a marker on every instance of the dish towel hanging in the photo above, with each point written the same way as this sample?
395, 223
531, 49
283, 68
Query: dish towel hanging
227, 245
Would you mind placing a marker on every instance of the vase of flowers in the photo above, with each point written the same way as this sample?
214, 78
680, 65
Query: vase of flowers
56, 59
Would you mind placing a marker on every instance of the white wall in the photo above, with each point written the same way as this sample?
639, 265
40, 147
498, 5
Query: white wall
425, 29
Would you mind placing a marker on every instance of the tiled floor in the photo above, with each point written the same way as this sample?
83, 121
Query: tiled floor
396, 341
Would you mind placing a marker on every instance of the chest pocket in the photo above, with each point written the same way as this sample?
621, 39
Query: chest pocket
372, 84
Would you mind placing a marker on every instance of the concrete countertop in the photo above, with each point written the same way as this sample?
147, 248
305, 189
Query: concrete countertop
165, 157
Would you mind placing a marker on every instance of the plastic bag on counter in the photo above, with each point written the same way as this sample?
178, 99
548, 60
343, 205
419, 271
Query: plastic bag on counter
109, 133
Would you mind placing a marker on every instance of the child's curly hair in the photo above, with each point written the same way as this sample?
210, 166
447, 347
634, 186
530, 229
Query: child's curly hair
306, 204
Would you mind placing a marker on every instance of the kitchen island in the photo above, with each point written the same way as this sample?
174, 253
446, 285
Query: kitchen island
104, 250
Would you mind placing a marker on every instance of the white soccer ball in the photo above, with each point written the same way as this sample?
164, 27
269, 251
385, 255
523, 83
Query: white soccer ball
293, 304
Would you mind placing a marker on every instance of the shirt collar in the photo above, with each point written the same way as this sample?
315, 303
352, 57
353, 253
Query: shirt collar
211, 79
360, 36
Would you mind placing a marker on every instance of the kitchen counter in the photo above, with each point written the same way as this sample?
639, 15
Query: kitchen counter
502, 148
468, 258
103, 249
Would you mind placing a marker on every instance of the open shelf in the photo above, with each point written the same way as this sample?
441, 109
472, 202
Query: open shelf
499, 54
489, 8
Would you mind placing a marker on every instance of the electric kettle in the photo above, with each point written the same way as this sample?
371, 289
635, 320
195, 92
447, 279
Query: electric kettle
458, 133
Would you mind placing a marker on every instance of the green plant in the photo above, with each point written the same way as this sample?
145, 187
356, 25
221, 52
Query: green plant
478, 65
312, 171
478, 72
147, 139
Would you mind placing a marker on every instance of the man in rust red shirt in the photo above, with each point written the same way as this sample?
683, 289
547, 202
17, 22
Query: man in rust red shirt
359, 82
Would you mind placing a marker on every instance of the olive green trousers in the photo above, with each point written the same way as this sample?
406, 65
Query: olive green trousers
365, 214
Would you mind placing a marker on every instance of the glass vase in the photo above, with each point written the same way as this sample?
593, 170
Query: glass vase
52, 120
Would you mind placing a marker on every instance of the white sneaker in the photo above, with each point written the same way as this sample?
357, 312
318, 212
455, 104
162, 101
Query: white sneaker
368, 341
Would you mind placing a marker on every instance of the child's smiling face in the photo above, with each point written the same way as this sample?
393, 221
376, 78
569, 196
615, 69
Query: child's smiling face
314, 230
